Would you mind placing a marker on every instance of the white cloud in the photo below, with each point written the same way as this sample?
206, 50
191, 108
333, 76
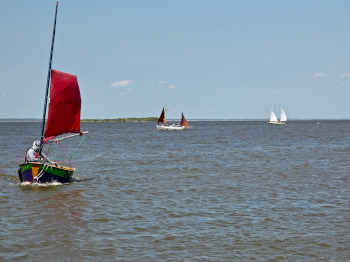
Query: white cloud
172, 86
125, 92
162, 82
122, 83
318, 75
276, 92
346, 74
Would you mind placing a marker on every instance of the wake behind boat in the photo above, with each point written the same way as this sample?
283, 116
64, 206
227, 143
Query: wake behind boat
274, 120
63, 117
162, 125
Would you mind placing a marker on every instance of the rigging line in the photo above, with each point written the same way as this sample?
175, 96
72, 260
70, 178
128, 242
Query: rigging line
48, 150
60, 147
77, 147
41, 173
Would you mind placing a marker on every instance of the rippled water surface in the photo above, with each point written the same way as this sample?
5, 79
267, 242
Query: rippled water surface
223, 191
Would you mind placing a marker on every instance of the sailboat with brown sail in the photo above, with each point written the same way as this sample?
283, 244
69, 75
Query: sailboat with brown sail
162, 124
63, 117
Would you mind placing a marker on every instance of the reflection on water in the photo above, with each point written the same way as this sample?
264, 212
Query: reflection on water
222, 191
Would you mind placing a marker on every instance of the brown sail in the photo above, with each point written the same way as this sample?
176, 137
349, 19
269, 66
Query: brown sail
162, 119
183, 120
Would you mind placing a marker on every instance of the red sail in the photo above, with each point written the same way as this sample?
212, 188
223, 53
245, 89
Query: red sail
161, 119
183, 120
64, 109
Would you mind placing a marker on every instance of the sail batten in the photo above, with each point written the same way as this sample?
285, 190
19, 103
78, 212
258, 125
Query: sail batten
65, 105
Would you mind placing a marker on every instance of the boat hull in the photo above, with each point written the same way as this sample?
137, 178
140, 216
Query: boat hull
170, 127
277, 123
44, 173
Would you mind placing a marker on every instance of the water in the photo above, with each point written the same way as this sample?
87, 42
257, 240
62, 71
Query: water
224, 191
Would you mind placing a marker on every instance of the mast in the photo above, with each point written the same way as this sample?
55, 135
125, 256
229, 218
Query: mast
48, 81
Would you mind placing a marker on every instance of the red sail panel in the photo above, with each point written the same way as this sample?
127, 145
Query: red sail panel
161, 119
64, 109
183, 121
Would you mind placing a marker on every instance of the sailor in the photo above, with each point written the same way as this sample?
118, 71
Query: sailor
32, 153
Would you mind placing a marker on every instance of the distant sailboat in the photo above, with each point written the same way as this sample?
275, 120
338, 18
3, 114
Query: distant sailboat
274, 120
162, 125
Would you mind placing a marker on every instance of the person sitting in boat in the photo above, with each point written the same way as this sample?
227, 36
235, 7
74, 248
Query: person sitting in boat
32, 153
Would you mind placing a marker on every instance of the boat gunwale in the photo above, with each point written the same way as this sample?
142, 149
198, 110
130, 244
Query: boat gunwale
50, 165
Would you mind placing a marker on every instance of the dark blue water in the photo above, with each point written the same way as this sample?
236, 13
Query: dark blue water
223, 191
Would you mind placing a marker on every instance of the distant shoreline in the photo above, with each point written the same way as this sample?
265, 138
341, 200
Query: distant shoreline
154, 119
131, 119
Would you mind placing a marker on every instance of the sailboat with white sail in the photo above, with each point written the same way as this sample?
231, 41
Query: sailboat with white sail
274, 120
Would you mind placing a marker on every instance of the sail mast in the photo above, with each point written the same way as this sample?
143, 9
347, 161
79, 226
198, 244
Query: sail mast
48, 81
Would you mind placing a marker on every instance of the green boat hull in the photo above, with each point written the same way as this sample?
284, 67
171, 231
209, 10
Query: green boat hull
44, 173
277, 123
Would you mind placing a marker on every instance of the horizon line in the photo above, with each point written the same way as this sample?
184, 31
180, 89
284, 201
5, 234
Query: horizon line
189, 119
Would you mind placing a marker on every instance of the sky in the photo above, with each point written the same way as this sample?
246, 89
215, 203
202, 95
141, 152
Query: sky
224, 59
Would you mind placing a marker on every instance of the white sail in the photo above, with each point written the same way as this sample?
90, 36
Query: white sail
273, 117
283, 116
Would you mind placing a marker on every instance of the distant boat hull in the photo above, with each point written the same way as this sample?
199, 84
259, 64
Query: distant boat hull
44, 173
277, 123
172, 127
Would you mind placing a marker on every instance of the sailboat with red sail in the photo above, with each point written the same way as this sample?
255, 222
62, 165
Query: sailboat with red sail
162, 125
63, 117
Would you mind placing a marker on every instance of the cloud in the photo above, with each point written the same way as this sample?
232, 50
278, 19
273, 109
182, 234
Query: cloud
276, 92
172, 86
318, 75
162, 82
125, 92
346, 74
122, 83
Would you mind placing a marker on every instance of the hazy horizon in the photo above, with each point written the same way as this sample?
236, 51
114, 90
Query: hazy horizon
189, 119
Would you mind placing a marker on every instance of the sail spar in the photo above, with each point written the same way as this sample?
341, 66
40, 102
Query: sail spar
65, 104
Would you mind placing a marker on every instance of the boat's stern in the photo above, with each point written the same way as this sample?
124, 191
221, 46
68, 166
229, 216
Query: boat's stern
28, 171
